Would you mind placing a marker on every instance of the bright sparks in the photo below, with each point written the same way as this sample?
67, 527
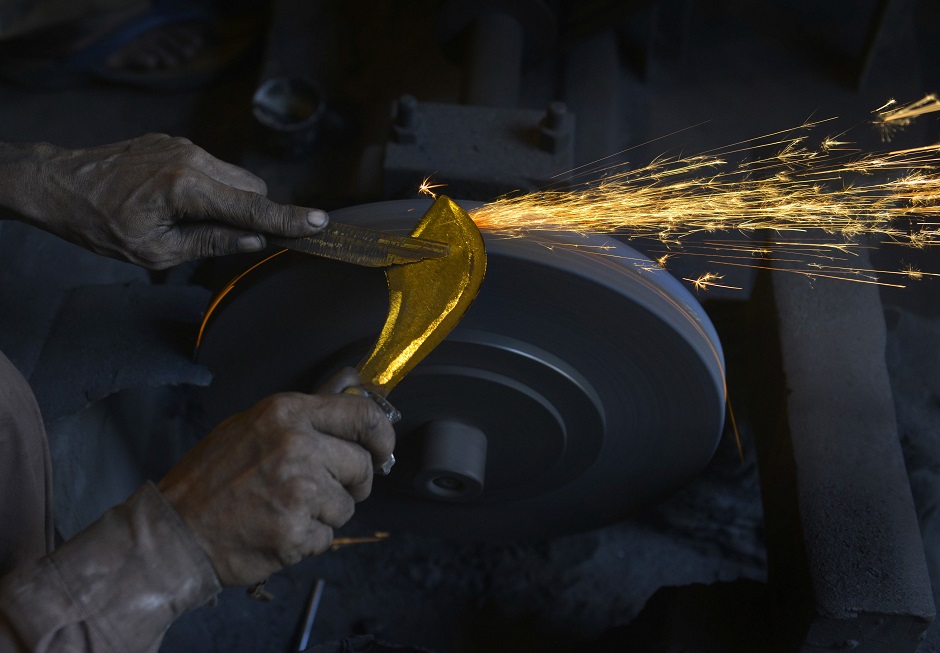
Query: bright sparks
808, 205
912, 272
709, 280
427, 188
891, 118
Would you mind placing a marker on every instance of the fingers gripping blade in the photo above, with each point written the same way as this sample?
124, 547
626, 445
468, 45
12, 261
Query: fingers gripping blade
427, 298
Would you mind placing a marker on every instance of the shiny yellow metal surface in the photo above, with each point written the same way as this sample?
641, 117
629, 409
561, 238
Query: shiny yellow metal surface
428, 298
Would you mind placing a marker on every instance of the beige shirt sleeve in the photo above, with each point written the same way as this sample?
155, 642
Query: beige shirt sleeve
115, 587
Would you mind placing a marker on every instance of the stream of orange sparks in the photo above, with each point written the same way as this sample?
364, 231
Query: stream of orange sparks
808, 207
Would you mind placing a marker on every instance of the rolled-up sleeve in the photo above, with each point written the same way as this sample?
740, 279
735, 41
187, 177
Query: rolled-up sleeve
115, 587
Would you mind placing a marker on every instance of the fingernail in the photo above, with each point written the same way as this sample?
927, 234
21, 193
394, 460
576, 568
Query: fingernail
317, 218
250, 244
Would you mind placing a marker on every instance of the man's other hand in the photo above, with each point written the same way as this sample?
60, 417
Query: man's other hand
267, 487
158, 201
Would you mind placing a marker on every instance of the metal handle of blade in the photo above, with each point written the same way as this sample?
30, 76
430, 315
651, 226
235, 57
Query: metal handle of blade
392, 413
362, 246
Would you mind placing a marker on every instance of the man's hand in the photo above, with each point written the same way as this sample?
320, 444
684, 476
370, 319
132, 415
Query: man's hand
267, 487
157, 201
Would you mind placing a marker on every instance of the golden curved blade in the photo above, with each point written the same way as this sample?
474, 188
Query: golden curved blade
428, 298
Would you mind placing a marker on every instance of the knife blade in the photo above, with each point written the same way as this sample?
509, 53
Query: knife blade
362, 246
428, 299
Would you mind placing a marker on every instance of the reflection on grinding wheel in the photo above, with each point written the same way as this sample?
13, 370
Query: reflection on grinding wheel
577, 389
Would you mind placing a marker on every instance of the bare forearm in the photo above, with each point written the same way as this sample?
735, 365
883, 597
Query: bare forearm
154, 200
24, 168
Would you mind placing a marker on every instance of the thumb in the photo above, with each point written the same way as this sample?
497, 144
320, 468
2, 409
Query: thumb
254, 212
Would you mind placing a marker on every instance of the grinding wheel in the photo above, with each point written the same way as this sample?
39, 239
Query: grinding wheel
582, 384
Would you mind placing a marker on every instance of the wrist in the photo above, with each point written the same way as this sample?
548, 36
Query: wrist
174, 496
24, 167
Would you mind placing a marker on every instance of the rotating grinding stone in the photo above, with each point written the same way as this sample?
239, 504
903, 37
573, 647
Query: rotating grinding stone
577, 389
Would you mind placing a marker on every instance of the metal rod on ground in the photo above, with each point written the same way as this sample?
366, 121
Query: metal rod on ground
311, 614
